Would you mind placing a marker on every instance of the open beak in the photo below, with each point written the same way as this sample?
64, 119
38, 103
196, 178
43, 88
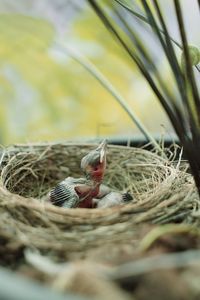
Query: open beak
102, 148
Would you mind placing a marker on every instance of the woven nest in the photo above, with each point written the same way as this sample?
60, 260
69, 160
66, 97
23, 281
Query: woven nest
163, 192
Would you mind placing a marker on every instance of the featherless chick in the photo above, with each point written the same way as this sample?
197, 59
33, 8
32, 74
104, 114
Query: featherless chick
79, 192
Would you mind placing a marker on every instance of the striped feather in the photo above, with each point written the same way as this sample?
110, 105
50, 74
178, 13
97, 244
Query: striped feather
64, 195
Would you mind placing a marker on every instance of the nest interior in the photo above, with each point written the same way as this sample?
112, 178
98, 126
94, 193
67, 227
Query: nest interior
33, 171
163, 192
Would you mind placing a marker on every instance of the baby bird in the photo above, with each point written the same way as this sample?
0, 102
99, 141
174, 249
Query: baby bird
112, 199
93, 164
68, 192
79, 192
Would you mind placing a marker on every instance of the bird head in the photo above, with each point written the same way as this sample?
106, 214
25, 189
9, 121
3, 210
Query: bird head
94, 163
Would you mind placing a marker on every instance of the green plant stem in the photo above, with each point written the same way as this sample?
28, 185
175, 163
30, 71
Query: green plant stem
187, 55
199, 4
92, 69
144, 19
171, 110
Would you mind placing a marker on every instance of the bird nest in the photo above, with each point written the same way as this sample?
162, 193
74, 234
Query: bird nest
163, 192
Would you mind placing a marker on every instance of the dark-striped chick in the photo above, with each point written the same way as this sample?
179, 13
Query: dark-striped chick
79, 192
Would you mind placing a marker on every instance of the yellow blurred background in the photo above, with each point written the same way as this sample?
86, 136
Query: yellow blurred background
45, 95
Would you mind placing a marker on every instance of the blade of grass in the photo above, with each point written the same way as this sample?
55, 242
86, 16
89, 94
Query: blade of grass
166, 44
173, 110
133, 56
184, 136
174, 117
89, 66
181, 84
199, 3
167, 47
147, 60
144, 19
134, 37
190, 75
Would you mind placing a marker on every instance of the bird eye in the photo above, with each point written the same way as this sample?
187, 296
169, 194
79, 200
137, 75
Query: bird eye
96, 168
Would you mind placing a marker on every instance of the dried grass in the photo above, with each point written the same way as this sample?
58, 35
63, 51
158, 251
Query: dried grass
163, 192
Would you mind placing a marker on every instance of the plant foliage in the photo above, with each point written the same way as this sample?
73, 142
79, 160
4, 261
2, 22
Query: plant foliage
181, 102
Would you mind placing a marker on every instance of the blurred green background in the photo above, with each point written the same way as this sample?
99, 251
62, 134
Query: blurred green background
47, 96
